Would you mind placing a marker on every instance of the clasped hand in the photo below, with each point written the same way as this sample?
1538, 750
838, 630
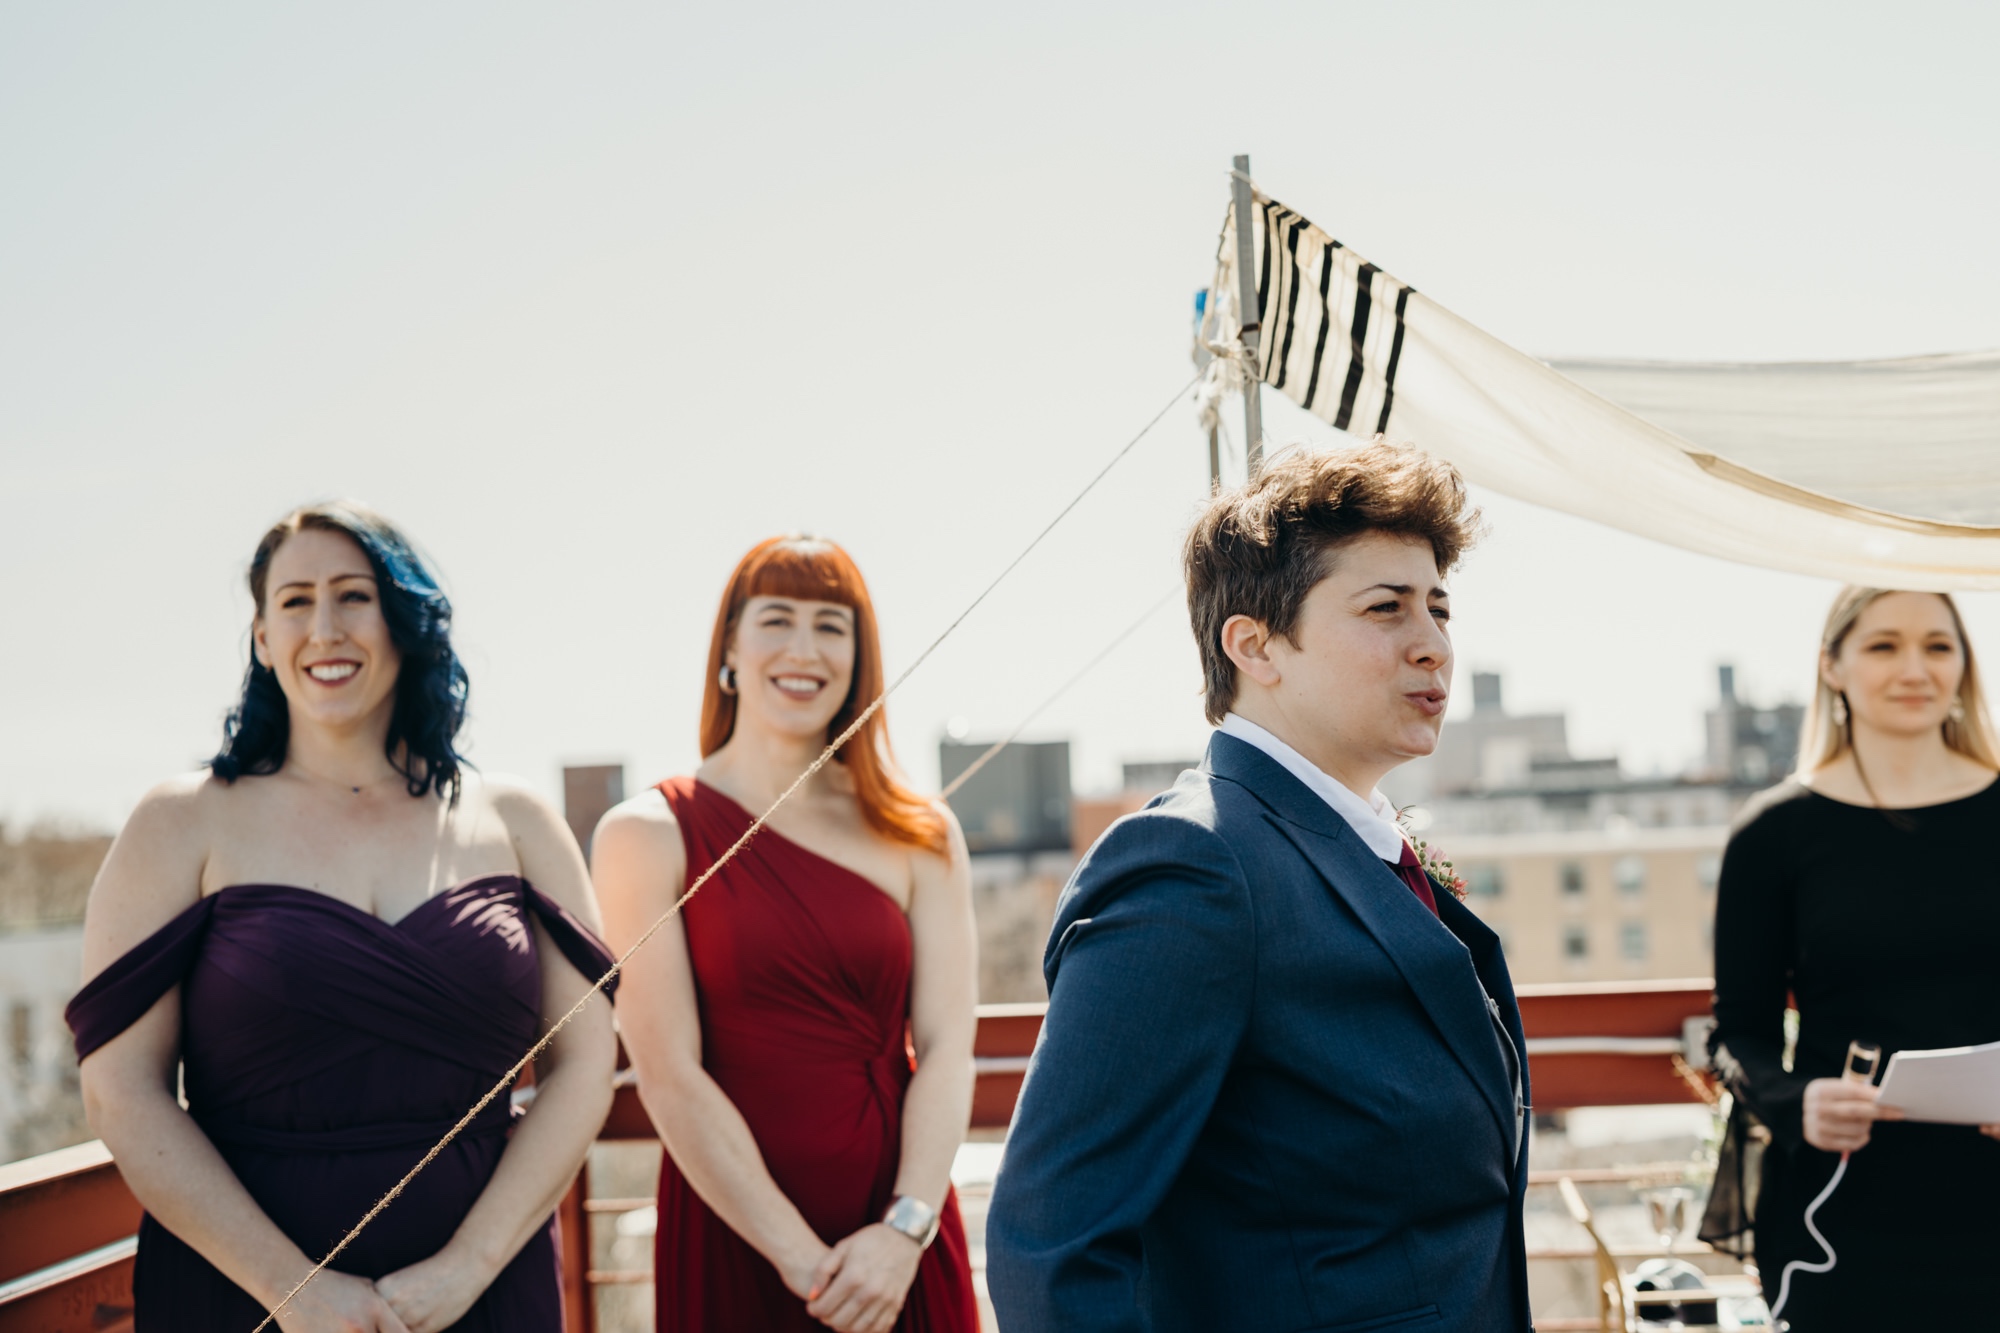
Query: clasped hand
423, 1298
340, 1303
860, 1284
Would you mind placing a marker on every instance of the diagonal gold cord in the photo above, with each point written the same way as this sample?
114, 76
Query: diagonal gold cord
1060, 691
833, 747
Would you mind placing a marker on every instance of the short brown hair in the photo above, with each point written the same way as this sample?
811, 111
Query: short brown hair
1258, 550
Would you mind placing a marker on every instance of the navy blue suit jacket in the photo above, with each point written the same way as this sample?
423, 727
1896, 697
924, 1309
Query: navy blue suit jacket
1269, 1094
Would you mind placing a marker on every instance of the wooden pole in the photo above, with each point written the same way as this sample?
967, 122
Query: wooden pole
1246, 287
1214, 460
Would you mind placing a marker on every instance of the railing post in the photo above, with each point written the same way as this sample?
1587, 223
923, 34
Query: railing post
573, 1252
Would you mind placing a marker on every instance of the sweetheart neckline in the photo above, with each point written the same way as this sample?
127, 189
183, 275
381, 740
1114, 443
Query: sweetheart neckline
395, 925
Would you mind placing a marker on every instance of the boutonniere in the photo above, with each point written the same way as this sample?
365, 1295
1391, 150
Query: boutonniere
1435, 864
1439, 869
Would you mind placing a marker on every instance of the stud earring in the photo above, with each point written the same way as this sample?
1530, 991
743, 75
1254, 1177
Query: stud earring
726, 678
1840, 710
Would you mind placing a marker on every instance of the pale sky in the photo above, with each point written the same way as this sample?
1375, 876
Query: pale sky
590, 299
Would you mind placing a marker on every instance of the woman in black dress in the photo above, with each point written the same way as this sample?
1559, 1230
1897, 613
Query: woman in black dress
1865, 887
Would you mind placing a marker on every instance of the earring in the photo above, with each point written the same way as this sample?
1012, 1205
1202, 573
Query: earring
726, 678
1840, 710
1957, 713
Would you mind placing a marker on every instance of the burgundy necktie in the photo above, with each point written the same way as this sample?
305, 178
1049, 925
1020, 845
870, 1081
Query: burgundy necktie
1412, 873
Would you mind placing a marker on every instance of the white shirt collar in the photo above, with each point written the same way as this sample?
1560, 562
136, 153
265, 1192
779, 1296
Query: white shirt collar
1373, 818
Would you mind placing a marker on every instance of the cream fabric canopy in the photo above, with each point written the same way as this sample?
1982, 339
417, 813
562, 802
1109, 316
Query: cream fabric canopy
1884, 473
1917, 436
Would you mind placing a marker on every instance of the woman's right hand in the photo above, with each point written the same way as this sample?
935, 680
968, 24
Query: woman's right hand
339, 1303
801, 1269
1839, 1113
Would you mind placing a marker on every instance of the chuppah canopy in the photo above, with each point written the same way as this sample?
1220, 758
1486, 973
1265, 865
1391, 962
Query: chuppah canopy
1884, 473
1917, 435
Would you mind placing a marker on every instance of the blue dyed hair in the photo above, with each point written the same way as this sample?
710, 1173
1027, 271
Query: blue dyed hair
431, 687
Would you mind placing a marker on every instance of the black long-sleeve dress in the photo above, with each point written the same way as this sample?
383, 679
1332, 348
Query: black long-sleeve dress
1886, 930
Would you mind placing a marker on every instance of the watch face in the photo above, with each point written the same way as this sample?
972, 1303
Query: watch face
914, 1218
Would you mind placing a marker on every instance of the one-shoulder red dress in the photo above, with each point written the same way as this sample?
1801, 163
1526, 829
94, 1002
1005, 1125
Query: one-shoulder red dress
802, 968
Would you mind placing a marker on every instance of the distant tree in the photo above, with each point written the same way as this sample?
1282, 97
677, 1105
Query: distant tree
46, 873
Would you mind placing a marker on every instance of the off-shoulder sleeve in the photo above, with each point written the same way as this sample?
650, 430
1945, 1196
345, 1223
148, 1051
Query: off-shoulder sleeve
120, 995
586, 953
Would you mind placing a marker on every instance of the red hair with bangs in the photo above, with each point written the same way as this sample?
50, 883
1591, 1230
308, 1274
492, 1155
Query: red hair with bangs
813, 569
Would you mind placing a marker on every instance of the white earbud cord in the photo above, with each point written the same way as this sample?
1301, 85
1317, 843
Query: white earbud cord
1809, 1265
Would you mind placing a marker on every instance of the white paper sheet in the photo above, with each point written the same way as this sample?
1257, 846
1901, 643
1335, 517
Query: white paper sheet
1959, 1085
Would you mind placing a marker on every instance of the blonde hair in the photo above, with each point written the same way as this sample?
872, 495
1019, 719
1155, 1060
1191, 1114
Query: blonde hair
1825, 740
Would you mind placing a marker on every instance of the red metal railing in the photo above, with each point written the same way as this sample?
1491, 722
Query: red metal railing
67, 1220
66, 1243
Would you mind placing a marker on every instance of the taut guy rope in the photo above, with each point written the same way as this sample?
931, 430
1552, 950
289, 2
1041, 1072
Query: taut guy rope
1060, 691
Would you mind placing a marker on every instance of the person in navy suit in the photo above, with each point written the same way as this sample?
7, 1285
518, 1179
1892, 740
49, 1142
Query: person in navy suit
1279, 1085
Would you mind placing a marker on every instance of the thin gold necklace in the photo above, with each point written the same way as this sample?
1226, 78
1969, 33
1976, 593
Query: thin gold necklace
335, 782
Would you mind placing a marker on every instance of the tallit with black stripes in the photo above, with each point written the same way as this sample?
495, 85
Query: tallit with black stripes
1368, 354
1332, 323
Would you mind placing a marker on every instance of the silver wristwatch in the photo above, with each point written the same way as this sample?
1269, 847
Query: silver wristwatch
914, 1218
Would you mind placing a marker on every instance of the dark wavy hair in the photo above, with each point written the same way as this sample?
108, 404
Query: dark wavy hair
431, 688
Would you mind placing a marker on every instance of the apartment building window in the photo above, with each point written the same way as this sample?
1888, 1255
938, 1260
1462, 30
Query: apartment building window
1576, 942
1632, 941
1630, 873
1484, 880
1572, 879
1708, 871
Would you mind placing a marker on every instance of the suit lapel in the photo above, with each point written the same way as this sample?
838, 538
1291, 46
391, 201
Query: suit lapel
1437, 966
1491, 964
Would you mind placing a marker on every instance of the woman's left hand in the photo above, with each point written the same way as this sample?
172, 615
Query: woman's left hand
864, 1280
435, 1293
1990, 1131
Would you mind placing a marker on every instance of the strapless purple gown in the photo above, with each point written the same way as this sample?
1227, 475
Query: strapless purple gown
324, 1051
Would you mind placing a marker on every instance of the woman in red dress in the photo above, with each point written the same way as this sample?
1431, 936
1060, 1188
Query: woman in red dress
802, 1031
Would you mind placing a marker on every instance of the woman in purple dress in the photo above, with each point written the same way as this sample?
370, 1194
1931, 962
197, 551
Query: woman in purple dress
334, 940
